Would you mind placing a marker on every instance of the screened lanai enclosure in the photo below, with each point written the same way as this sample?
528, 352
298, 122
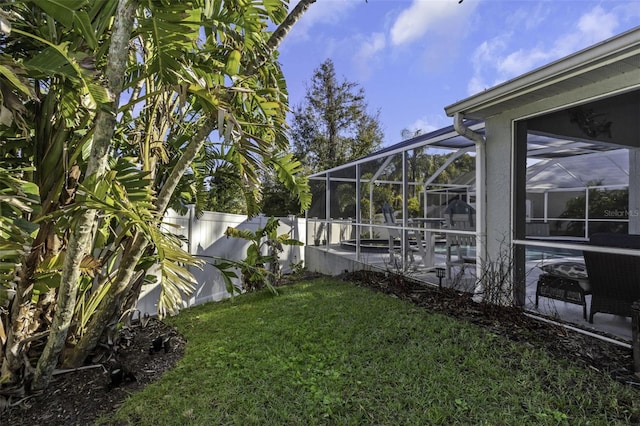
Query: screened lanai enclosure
395, 201
537, 178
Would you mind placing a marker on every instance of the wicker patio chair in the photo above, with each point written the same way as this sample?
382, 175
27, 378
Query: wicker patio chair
614, 278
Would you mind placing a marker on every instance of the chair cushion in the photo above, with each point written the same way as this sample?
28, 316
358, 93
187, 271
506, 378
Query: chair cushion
573, 270
569, 270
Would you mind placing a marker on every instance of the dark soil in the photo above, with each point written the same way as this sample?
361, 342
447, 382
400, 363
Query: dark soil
80, 397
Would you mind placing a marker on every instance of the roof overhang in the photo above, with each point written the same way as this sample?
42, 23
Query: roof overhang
610, 58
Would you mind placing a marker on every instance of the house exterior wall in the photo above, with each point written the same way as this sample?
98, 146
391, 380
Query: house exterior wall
499, 164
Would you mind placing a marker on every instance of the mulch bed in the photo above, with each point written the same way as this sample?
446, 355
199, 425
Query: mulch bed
79, 397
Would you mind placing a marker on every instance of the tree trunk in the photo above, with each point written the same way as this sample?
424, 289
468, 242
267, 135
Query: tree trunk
121, 284
283, 29
17, 332
83, 232
109, 304
183, 164
23, 319
131, 297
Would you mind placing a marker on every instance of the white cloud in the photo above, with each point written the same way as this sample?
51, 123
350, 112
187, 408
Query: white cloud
424, 16
484, 60
429, 123
521, 61
628, 12
489, 49
492, 57
598, 24
323, 12
476, 85
366, 53
592, 27
528, 18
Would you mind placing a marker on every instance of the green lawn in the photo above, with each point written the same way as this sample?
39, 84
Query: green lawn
328, 352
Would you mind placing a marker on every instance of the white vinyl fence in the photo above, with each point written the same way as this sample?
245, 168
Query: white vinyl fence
205, 238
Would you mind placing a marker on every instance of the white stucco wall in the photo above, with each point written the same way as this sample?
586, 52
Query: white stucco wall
499, 162
498, 187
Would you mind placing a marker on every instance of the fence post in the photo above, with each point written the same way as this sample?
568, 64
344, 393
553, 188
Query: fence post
191, 208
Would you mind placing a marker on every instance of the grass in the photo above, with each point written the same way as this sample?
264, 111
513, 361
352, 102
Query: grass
328, 352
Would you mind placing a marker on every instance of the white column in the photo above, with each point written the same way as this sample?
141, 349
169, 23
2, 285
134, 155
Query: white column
405, 211
481, 209
358, 211
494, 186
327, 211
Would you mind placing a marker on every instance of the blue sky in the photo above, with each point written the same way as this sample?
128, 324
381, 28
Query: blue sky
414, 57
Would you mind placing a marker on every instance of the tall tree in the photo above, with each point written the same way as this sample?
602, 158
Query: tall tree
248, 116
54, 91
333, 125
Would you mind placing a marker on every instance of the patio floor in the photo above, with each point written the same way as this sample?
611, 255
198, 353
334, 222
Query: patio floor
619, 328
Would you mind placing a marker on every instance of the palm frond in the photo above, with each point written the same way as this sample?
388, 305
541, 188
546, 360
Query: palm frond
172, 28
291, 174
17, 198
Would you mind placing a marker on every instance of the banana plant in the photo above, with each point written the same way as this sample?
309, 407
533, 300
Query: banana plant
260, 268
199, 73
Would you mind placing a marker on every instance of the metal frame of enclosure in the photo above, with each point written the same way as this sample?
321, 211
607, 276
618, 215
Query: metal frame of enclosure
347, 203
